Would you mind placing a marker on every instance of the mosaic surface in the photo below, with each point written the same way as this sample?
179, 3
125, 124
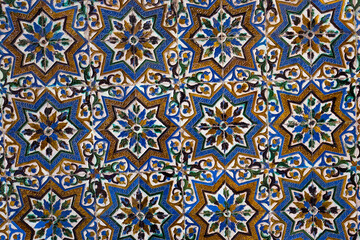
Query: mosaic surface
179, 119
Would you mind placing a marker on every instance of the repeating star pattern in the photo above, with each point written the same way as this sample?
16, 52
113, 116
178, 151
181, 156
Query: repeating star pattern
179, 119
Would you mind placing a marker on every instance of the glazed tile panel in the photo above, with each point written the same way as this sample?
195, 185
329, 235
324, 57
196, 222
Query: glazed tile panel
179, 119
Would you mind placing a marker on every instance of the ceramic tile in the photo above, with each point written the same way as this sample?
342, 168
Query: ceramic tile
312, 123
141, 126
142, 208
43, 208
225, 39
45, 44
231, 124
319, 230
308, 204
137, 37
179, 119
227, 206
311, 39
45, 129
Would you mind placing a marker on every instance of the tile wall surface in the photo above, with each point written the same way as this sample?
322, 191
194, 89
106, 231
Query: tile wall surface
179, 119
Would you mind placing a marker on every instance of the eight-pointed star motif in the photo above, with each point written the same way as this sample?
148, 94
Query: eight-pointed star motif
227, 211
53, 215
222, 36
310, 34
312, 122
44, 41
313, 209
224, 125
48, 131
133, 39
137, 128
140, 214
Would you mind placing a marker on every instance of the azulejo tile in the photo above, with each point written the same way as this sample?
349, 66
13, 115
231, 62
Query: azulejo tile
102, 184
229, 125
311, 38
312, 123
141, 209
179, 119
137, 37
308, 204
45, 129
40, 209
141, 127
227, 206
169, 179
221, 38
44, 44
